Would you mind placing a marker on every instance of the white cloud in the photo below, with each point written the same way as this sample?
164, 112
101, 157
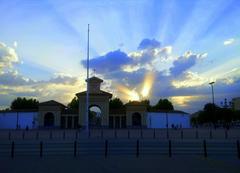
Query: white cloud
8, 57
229, 41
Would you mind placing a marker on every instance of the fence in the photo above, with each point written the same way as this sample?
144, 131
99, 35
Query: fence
121, 133
108, 148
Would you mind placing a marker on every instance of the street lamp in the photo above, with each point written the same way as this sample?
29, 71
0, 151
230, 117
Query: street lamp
213, 106
211, 83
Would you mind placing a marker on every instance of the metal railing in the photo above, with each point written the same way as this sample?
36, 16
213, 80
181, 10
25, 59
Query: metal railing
120, 133
108, 148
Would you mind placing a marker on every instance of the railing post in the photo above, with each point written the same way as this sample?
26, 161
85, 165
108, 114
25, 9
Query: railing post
37, 135
238, 149
12, 149
205, 148
64, 134
23, 135
154, 133
167, 133
226, 134
210, 134
169, 148
181, 134
102, 133
75, 148
196, 135
76, 135
41, 149
9, 135
50, 135
106, 148
137, 149
115, 133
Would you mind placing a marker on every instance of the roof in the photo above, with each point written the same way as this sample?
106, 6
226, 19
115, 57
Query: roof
95, 79
101, 93
51, 103
168, 111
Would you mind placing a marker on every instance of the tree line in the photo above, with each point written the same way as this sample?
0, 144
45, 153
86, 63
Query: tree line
115, 103
213, 114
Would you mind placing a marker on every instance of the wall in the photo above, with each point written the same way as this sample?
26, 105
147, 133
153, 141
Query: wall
159, 120
8, 120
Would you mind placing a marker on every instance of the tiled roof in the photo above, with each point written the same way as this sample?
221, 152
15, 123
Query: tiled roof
103, 93
51, 103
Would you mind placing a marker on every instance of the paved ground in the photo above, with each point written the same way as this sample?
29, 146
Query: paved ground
120, 164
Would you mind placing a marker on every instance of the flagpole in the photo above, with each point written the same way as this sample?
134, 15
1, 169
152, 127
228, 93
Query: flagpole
87, 96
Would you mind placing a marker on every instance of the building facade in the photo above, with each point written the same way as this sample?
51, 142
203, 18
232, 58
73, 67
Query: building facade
52, 114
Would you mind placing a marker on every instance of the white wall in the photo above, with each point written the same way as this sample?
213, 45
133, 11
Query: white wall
9, 120
159, 120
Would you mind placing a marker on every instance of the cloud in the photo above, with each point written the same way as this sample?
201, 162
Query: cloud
8, 57
229, 41
12, 78
149, 44
109, 62
185, 62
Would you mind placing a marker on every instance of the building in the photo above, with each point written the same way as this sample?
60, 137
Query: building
170, 119
52, 114
236, 103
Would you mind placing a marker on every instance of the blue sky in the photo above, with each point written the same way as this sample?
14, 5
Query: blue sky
182, 44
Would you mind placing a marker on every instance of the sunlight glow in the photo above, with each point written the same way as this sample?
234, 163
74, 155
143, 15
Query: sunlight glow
184, 101
131, 94
147, 84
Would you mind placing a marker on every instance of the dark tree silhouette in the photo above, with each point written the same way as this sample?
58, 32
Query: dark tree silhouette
115, 103
163, 104
24, 103
74, 104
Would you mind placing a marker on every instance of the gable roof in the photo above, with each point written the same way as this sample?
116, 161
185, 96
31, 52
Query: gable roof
51, 103
100, 93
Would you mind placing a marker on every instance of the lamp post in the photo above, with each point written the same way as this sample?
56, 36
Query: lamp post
211, 83
213, 106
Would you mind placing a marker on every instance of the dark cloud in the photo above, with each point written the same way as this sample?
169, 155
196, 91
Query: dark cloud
14, 79
112, 61
182, 64
149, 44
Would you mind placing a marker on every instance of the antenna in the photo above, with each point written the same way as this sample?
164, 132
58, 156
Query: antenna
87, 94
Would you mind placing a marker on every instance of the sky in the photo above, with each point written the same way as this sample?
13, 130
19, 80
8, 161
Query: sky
143, 49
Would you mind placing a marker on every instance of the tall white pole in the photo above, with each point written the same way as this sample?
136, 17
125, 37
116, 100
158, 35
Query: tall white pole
87, 96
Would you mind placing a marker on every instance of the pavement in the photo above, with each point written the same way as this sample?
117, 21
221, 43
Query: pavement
120, 164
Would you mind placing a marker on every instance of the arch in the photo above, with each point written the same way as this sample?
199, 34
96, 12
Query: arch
136, 119
95, 116
49, 119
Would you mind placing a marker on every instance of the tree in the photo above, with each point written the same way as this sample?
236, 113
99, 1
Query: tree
24, 103
74, 104
147, 102
115, 103
164, 104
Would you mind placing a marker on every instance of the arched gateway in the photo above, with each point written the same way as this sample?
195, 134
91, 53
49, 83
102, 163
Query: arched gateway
98, 98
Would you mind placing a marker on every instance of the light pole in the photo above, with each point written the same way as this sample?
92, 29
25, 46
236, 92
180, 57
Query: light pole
211, 83
213, 106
